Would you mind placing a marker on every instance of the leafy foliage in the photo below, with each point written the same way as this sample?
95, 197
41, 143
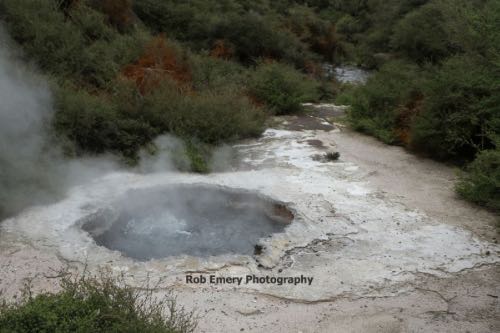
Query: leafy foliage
459, 110
421, 35
380, 106
282, 88
95, 124
481, 182
249, 29
210, 73
77, 46
95, 304
210, 117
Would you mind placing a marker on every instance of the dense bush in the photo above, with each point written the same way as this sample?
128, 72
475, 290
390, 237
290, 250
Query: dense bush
364, 28
251, 29
77, 45
253, 36
481, 182
282, 88
90, 304
211, 117
210, 73
459, 109
421, 34
448, 111
95, 124
386, 101
128, 120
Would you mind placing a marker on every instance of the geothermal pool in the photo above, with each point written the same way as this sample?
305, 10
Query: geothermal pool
195, 220
351, 237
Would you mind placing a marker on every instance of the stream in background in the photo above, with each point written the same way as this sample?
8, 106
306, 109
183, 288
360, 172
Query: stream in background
346, 73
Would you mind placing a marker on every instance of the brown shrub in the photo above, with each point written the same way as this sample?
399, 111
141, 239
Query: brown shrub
221, 50
327, 43
405, 118
159, 61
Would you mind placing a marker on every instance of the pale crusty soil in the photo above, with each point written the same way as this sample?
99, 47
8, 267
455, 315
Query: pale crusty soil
464, 301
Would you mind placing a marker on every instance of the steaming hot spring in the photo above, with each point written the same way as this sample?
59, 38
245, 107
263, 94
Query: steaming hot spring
196, 220
168, 222
282, 213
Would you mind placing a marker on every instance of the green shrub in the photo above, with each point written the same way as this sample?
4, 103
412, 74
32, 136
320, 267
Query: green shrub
377, 106
95, 124
214, 74
55, 43
91, 304
319, 34
181, 20
126, 121
282, 87
421, 35
78, 46
210, 117
198, 154
481, 182
460, 107
252, 36
349, 25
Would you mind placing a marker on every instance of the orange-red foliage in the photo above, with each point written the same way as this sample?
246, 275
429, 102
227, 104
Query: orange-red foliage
221, 50
158, 62
406, 115
313, 69
327, 43
255, 101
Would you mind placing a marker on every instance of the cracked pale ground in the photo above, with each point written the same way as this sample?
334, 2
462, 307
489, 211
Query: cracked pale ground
389, 245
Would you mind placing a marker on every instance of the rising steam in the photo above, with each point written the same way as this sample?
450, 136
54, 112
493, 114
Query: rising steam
33, 169
26, 160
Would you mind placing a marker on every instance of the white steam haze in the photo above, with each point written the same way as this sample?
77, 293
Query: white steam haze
25, 113
162, 160
33, 169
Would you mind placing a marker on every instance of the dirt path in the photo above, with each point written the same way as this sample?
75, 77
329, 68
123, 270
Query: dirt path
389, 245
417, 182
465, 303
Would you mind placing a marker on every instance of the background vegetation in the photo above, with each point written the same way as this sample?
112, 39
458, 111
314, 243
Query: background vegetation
210, 71
436, 84
125, 72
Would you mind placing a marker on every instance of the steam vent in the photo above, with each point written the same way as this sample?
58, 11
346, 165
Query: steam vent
192, 220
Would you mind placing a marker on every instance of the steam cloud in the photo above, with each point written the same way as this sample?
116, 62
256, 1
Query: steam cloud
25, 113
33, 169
